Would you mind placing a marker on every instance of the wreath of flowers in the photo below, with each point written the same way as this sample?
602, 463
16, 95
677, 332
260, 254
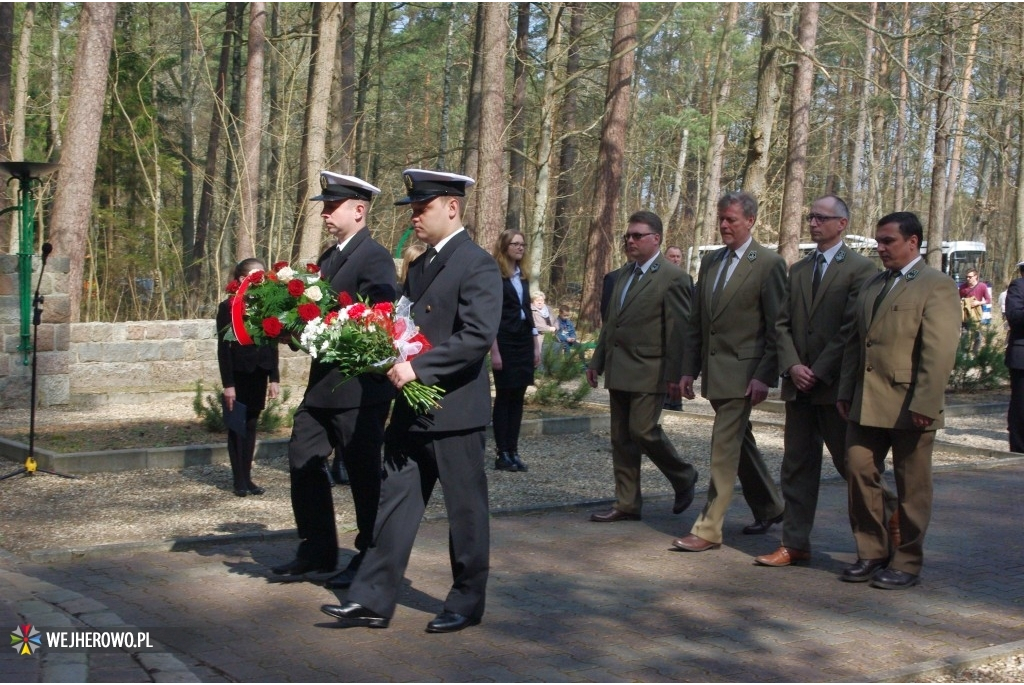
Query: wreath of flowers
361, 338
276, 305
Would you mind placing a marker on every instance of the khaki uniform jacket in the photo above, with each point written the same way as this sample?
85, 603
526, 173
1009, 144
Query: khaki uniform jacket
899, 361
641, 343
734, 341
814, 332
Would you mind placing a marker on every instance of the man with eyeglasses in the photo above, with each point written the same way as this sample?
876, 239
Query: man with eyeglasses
731, 339
639, 352
816, 321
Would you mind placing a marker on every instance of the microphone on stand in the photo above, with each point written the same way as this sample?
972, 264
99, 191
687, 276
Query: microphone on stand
47, 249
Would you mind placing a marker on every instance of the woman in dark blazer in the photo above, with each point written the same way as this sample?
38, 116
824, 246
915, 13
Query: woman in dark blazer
245, 372
515, 353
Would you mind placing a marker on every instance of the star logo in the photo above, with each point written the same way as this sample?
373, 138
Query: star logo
25, 639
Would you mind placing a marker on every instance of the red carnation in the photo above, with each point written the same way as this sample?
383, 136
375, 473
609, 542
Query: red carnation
312, 268
356, 310
233, 287
385, 308
256, 277
344, 299
280, 265
308, 311
331, 318
296, 287
271, 276
272, 326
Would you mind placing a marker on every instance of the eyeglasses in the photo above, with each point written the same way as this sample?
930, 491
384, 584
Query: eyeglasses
820, 218
517, 244
635, 237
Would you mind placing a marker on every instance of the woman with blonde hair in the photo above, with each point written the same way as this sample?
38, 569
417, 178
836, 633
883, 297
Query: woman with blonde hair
515, 353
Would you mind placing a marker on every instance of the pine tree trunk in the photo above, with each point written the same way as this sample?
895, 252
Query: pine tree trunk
491, 193
610, 162
17, 133
517, 126
943, 121
72, 205
319, 103
766, 107
799, 132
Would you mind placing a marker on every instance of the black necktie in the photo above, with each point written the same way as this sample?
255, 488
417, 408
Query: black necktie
889, 275
429, 256
819, 264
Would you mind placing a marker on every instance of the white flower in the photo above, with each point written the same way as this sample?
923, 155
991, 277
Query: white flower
286, 274
313, 293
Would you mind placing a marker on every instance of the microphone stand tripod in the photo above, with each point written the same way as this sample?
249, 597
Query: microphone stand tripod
31, 467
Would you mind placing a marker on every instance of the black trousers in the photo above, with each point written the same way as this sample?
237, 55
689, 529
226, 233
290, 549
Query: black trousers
507, 418
413, 464
241, 450
357, 434
1015, 416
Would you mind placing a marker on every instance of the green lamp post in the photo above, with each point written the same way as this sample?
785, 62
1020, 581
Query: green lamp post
27, 174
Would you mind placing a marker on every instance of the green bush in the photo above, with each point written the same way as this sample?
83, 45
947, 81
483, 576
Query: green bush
561, 379
210, 413
981, 369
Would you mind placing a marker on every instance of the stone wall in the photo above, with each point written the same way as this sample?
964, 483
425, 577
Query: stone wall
53, 383
125, 362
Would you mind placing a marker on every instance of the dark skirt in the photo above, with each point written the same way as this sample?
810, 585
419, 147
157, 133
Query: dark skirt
251, 390
516, 349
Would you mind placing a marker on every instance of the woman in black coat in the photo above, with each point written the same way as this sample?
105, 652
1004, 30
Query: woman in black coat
515, 353
245, 372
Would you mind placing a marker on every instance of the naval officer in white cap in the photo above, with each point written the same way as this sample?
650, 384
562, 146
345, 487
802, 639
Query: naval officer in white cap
456, 290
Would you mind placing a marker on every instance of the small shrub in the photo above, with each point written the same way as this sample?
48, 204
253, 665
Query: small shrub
561, 379
210, 413
983, 369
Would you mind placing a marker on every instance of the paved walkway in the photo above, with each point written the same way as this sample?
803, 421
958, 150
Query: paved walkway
568, 600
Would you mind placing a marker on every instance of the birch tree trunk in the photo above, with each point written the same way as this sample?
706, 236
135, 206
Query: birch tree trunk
943, 116
610, 162
545, 145
253, 135
319, 102
716, 135
17, 134
755, 170
899, 161
491, 193
799, 132
72, 203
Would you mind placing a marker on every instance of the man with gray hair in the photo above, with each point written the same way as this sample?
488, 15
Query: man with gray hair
731, 339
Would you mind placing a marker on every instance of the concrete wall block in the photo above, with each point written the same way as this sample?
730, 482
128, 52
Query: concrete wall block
118, 332
173, 350
8, 284
57, 309
198, 329
53, 363
53, 390
44, 338
8, 263
61, 336
10, 308
5, 364
135, 331
168, 330
14, 392
88, 332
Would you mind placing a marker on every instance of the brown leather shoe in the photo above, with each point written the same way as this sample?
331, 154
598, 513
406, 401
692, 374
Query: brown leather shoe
894, 531
783, 556
613, 515
692, 543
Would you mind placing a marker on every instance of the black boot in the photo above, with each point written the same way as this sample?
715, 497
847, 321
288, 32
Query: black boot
504, 462
520, 466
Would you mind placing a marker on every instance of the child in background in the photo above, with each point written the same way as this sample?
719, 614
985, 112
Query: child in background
565, 331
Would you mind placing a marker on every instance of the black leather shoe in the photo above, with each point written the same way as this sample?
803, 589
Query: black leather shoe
298, 567
684, 498
255, 489
761, 527
862, 571
239, 492
517, 460
344, 579
352, 615
450, 622
338, 473
613, 515
891, 579
504, 462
